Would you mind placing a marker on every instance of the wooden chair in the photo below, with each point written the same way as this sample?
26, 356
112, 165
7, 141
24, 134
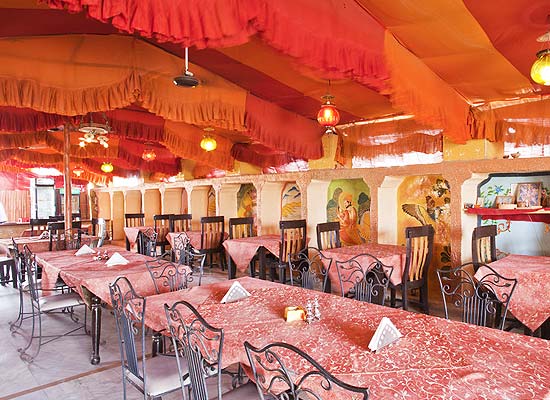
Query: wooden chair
241, 228
212, 235
180, 222
275, 380
328, 235
482, 301
97, 224
133, 220
484, 249
162, 227
293, 241
38, 225
420, 240
367, 277
309, 269
61, 238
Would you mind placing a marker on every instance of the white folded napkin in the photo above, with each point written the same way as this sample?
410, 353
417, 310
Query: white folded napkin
235, 292
85, 249
385, 334
116, 259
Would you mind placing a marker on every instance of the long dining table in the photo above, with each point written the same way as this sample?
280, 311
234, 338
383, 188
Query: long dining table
435, 358
90, 278
36, 244
240, 253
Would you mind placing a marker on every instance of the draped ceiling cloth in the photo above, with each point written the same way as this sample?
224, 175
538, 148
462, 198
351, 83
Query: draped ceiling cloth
263, 66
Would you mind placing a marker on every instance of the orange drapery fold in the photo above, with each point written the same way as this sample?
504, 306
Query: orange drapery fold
410, 142
17, 204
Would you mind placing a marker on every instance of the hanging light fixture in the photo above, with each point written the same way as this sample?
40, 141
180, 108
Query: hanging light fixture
78, 171
208, 143
94, 132
148, 153
328, 116
187, 79
540, 70
107, 167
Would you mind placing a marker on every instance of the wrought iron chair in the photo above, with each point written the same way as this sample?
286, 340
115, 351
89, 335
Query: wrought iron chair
293, 241
147, 243
38, 225
367, 277
200, 346
60, 237
185, 254
162, 227
484, 249
309, 269
132, 220
20, 276
155, 376
99, 229
168, 276
328, 235
180, 222
212, 236
276, 380
420, 240
47, 305
482, 301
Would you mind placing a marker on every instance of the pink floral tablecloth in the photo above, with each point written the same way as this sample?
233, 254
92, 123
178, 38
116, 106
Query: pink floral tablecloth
37, 245
194, 237
84, 272
435, 358
388, 254
530, 302
242, 251
132, 232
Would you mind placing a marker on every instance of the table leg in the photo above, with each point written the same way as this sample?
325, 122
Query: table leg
158, 344
96, 329
545, 330
231, 268
262, 262
127, 244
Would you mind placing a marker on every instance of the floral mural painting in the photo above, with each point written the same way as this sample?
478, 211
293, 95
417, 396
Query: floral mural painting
291, 202
246, 201
349, 203
211, 205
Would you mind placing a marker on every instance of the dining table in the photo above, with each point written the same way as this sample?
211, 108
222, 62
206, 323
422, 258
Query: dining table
434, 359
530, 301
132, 234
36, 244
388, 254
90, 278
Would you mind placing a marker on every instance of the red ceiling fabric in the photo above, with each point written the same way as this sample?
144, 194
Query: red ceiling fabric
136, 124
13, 119
259, 155
336, 37
283, 130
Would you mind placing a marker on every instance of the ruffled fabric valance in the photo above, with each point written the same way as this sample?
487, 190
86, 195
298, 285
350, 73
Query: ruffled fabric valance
259, 155
14, 119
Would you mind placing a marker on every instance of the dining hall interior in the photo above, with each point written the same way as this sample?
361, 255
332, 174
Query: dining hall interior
274, 199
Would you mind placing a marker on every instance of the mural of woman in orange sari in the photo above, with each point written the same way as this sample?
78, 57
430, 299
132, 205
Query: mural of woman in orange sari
347, 215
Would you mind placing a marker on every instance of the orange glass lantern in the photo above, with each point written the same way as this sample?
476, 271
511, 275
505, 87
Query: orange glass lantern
149, 153
328, 116
107, 167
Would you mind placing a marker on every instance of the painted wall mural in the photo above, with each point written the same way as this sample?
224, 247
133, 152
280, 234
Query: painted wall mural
348, 202
291, 202
246, 201
211, 210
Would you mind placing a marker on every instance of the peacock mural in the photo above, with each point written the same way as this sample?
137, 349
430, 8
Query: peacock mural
291, 202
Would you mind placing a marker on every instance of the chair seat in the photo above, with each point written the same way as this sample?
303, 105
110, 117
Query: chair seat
162, 375
48, 303
243, 392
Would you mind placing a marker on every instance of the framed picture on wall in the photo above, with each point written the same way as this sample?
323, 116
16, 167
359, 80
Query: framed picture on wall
528, 194
504, 200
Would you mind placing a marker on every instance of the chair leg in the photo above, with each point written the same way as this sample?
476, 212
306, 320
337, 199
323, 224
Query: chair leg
405, 297
392, 296
424, 299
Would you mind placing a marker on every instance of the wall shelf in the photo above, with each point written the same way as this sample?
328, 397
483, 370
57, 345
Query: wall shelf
528, 215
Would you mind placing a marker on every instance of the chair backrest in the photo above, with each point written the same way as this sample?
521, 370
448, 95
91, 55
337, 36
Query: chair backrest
38, 225
135, 219
99, 229
31, 270
309, 269
484, 248
167, 276
328, 235
481, 301
420, 243
275, 379
212, 232
129, 312
57, 235
162, 227
184, 254
198, 343
293, 238
56, 218
147, 242
241, 227
180, 222
366, 276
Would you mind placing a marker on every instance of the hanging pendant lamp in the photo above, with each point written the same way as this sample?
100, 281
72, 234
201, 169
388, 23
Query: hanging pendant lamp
328, 116
148, 153
540, 70
208, 143
107, 167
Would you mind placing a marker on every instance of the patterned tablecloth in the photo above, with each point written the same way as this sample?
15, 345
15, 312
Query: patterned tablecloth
435, 358
194, 237
242, 251
530, 302
37, 245
132, 232
389, 254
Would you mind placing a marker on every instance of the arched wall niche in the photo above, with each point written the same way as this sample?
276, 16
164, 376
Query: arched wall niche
175, 201
291, 202
152, 205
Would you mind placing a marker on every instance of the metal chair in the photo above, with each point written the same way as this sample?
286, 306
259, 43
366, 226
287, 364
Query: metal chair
482, 301
38, 225
64, 240
420, 241
293, 241
185, 254
47, 305
180, 222
99, 229
155, 376
200, 347
309, 270
484, 250
21, 258
147, 242
305, 379
168, 276
212, 236
162, 227
328, 235
367, 277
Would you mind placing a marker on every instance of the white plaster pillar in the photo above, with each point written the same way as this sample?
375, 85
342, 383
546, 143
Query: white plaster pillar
227, 196
387, 209
270, 209
199, 203
468, 222
258, 185
317, 207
